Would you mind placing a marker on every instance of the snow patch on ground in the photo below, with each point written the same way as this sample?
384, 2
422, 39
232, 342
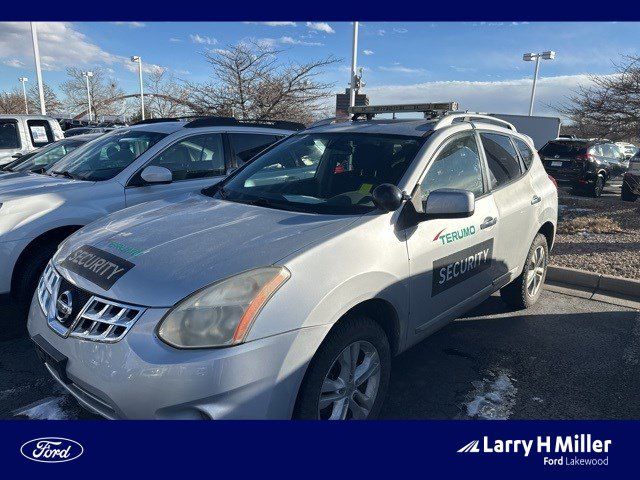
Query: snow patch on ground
50, 408
493, 397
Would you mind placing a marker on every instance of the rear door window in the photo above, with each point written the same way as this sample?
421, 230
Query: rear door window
502, 159
40, 132
248, 145
525, 152
9, 135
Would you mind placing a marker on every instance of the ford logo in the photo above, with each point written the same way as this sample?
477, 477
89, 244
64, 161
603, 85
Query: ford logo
51, 450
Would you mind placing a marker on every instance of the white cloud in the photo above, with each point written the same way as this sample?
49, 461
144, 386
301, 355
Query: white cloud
321, 27
400, 30
293, 41
61, 45
397, 68
130, 24
146, 67
13, 62
368, 52
506, 96
203, 39
274, 24
381, 32
174, 40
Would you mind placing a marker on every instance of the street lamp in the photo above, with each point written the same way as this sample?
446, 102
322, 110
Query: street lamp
86, 76
36, 55
138, 60
354, 65
530, 57
24, 80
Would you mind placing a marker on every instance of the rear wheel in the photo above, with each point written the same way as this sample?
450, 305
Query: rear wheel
348, 377
627, 194
525, 290
598, 187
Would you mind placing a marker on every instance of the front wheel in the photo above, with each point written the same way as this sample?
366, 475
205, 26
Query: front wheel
525, 290
598, 187
348, 377
627, 194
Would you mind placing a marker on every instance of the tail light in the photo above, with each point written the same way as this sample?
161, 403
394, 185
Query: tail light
553, 180
587, 157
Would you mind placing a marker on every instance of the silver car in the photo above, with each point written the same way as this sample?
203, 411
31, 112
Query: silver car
283, 294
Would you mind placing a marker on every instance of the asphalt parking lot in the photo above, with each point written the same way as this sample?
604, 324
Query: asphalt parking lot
566, 358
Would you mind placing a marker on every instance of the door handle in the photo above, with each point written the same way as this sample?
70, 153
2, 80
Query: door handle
488, 222
535, 199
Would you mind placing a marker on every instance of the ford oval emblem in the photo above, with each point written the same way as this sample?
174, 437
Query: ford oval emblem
51, 450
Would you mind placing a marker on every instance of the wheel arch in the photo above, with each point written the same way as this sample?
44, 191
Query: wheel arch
548, 229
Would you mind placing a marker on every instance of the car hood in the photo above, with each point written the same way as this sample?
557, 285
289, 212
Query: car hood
19, 185
177, 247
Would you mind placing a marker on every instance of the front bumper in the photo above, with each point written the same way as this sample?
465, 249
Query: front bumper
141, 377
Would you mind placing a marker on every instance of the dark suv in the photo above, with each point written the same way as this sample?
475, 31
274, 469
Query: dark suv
585, 164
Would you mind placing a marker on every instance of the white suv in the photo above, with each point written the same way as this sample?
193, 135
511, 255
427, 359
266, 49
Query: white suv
129, 166
285, 289
21, 134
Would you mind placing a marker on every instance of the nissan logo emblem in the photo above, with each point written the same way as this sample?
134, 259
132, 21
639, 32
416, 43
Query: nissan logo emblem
64, 306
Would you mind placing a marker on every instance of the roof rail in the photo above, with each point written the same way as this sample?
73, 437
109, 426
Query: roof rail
230, 121
456, 117
430, 110
157, 120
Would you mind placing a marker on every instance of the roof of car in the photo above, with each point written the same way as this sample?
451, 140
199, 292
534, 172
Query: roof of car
25, 116
408, 127
170, 127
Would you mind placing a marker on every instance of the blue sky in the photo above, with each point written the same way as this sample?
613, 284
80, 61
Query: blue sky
479, 64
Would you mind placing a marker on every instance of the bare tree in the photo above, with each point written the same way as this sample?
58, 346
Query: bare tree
103, 91
251, 82
610, 106
52, 103
12, 102
165, 96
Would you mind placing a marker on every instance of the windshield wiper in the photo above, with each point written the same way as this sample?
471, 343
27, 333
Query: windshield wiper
65, 174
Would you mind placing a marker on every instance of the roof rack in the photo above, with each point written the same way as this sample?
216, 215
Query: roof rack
430, 110
230, 121
149, 121
454, 117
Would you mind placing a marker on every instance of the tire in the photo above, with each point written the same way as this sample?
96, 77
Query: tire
326, 367
627, 194
29, 273
518, 293
598, 187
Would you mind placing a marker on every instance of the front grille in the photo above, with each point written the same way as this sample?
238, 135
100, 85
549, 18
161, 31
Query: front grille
74, 312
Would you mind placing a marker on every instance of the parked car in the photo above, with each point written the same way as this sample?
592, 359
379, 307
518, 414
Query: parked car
631, 181
122, 168
587, 165
83, 130
287, 298
39, 160
628, 149
21, 134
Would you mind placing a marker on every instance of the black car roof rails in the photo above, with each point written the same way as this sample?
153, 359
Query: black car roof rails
234, 122
149, 121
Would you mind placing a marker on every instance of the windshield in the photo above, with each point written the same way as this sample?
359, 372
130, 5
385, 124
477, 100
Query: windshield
564, 149
331, 173
46, 156
107, 156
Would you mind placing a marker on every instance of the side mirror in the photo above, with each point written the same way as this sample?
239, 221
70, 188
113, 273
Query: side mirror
449, 203
154, 174
387, 197
17, 155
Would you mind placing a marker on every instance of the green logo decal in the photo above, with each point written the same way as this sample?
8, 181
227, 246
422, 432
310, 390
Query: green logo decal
130, 251
456, 235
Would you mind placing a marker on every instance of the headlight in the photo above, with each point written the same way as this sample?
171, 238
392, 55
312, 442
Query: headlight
221, 314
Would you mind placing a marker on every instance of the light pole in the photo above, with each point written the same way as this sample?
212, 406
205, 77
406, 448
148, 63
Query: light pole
138, 60
530, 57
354, 64
86, 76
24, 80
36, 54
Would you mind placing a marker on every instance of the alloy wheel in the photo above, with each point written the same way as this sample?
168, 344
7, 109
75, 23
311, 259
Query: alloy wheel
350, 388
535, 271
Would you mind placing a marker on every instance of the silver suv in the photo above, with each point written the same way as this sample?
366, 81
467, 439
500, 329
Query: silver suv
284, 290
